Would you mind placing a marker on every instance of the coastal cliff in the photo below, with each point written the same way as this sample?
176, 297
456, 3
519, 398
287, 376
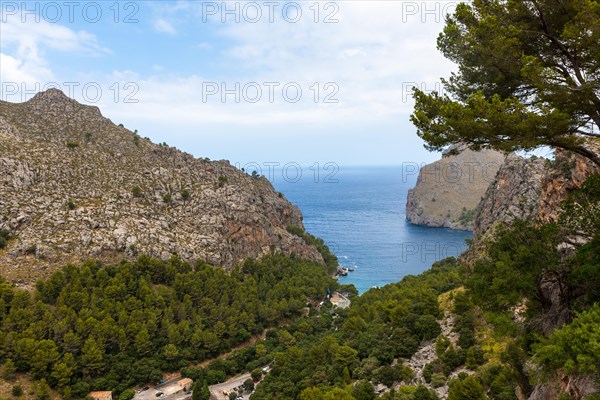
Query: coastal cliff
448, 191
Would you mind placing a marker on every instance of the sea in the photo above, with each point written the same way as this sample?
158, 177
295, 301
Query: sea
360, 212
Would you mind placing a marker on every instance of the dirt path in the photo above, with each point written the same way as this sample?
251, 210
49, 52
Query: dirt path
241, 346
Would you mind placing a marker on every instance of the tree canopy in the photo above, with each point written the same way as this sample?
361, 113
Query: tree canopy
529, 76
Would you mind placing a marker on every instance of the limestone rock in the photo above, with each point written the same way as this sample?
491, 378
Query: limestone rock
448, 191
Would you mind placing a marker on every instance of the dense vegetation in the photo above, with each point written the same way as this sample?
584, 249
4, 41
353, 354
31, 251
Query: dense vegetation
521, 267
95, 327
382, 325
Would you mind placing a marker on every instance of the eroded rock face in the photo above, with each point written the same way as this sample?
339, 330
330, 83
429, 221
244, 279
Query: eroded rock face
531, 188
577, 387
74, 185
513, 194
448, 191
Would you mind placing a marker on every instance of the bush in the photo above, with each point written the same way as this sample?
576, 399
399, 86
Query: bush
248, 385
127, 394
422, 393
363, 390
185, 194
72, 145
466, 389
9, 370
17, 391
167, 198
4, 236
427, 327
438, 380
136, 191
256, 374
222, 180
71, 205
43, 392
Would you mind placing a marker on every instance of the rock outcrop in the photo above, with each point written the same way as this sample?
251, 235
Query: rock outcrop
74, 185
513, 194
531, 188
448, 191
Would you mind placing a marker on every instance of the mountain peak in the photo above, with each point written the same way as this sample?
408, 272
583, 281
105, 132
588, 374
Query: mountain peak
52, 97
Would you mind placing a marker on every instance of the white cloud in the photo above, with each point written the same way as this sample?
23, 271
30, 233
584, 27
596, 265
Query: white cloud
24, 45
17, 71
30, 37
164, 26
372, 56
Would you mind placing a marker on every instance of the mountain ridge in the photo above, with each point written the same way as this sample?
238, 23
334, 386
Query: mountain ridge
74, 185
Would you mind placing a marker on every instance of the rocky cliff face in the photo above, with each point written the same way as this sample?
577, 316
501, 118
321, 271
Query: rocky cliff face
74, 185
513, 194
448, 191
531, 188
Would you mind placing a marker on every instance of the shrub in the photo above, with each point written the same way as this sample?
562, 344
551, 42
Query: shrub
256, 374
4, 236
363, 390
136, 191
438, 380
467, 389
222, 180
127, 394
167, 198
185, 194
31, 249
72, 145
71, 205
17, 391
248, 385
9, 370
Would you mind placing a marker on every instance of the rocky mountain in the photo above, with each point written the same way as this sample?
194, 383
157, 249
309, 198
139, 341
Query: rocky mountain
74, 185
448, 191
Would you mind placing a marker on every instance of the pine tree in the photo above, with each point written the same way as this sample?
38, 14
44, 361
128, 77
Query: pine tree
91, 357
200, 391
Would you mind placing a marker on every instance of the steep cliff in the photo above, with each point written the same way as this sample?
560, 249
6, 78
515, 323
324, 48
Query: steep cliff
531, 188
448, 191
74, 185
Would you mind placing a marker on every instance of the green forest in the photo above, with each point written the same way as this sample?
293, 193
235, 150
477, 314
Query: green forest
113, 327
370, 342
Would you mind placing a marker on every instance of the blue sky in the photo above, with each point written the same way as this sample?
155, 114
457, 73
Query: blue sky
246, 81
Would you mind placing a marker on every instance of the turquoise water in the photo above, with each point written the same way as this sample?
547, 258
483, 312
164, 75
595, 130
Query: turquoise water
360, 213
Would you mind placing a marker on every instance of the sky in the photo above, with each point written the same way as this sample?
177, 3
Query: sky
249, 81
